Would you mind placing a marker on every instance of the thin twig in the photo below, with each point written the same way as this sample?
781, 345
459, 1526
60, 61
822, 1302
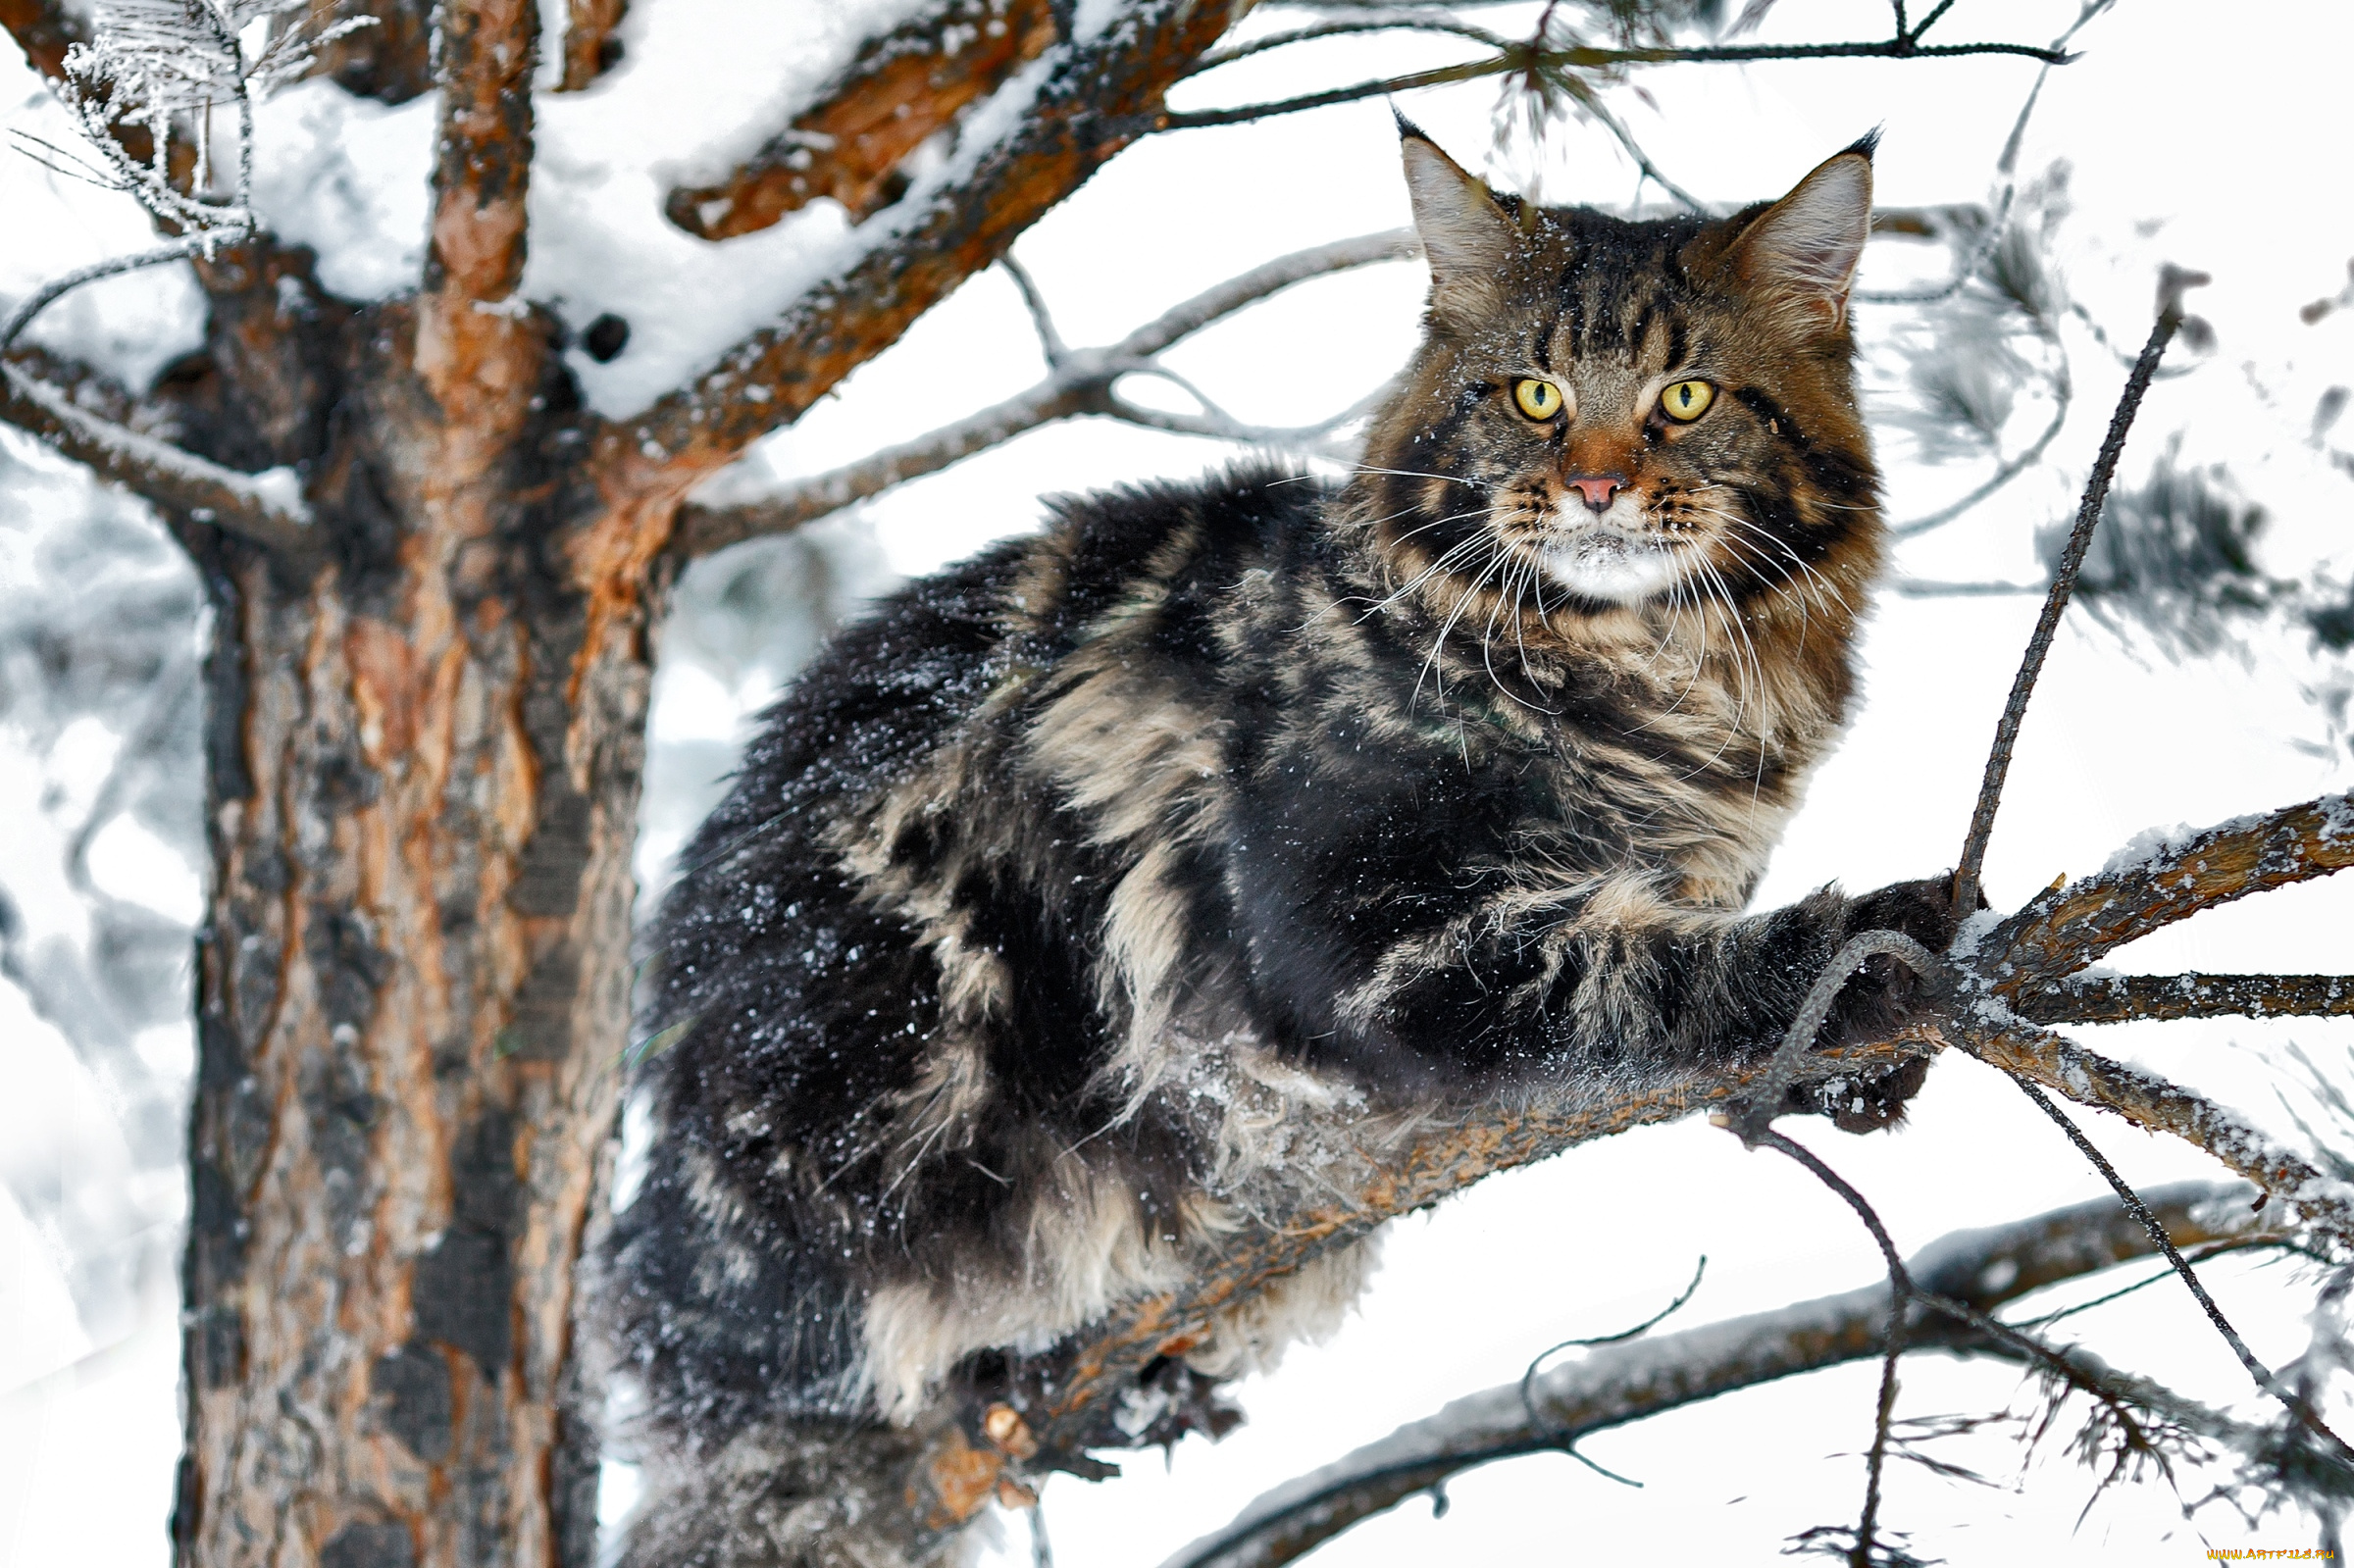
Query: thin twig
1931, 589
2264, 1379
1441, 26
2064, 581
1528, 1378
1900, 1294
56, 289
1049, 342
2062, 397
2088, 1078
1522, 57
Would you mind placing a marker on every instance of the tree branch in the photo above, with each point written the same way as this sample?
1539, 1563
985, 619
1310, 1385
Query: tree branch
471, 330
1524, 58
1100, 94
1410, 1165
2324, 1203
1618, 1385
45, 29
1081, 383
902, 89
2121, 998
2157, 880
267, 509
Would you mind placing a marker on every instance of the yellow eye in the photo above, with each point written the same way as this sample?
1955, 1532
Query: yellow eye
1539, 400
1687, 401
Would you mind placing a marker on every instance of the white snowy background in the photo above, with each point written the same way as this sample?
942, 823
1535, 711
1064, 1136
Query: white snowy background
2192, 133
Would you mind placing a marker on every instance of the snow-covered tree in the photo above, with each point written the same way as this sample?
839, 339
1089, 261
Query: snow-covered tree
440, 478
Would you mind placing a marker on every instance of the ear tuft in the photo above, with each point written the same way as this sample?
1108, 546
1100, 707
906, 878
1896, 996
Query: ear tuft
1466, 232
1805, 245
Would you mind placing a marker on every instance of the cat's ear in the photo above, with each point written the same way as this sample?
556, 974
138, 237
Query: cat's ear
1803, 248
1466, 235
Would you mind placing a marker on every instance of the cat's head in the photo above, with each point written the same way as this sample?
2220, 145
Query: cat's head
1607, 415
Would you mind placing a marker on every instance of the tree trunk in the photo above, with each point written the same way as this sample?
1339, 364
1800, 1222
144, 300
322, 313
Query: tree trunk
424, 754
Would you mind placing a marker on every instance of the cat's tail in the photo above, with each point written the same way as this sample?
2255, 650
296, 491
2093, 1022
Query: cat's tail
742, 1395
807, 1494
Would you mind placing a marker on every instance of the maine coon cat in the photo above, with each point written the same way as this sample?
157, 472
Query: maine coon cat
1090, 896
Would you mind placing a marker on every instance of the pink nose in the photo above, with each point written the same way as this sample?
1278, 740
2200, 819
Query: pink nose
1598, 489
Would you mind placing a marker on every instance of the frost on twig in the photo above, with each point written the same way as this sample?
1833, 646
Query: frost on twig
162, 67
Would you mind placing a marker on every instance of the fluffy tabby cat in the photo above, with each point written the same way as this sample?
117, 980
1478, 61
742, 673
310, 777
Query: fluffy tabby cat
1134, 876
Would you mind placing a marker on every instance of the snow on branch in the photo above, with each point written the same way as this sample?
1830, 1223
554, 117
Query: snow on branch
905, 87
1618, 1384
265, 508
1080, 382
1037, 140
162, 66
591, 45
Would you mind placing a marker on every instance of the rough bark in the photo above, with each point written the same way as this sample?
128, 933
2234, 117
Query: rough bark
422, 770
424, 756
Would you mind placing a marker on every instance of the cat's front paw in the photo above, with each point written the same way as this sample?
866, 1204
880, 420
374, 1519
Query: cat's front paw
1880, 998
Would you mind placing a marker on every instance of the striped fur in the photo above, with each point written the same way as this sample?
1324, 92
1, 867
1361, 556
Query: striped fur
1150, 873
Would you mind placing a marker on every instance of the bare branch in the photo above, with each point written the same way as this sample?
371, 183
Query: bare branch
2321, 1203
1931, 589
1624, 1383
1103, 92
2088, 515
703, 529
2010, 469
2120, 998
901, 89
1049, 339
1437, 26
267, 509
2297, 1408
56, 289
1082, 383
